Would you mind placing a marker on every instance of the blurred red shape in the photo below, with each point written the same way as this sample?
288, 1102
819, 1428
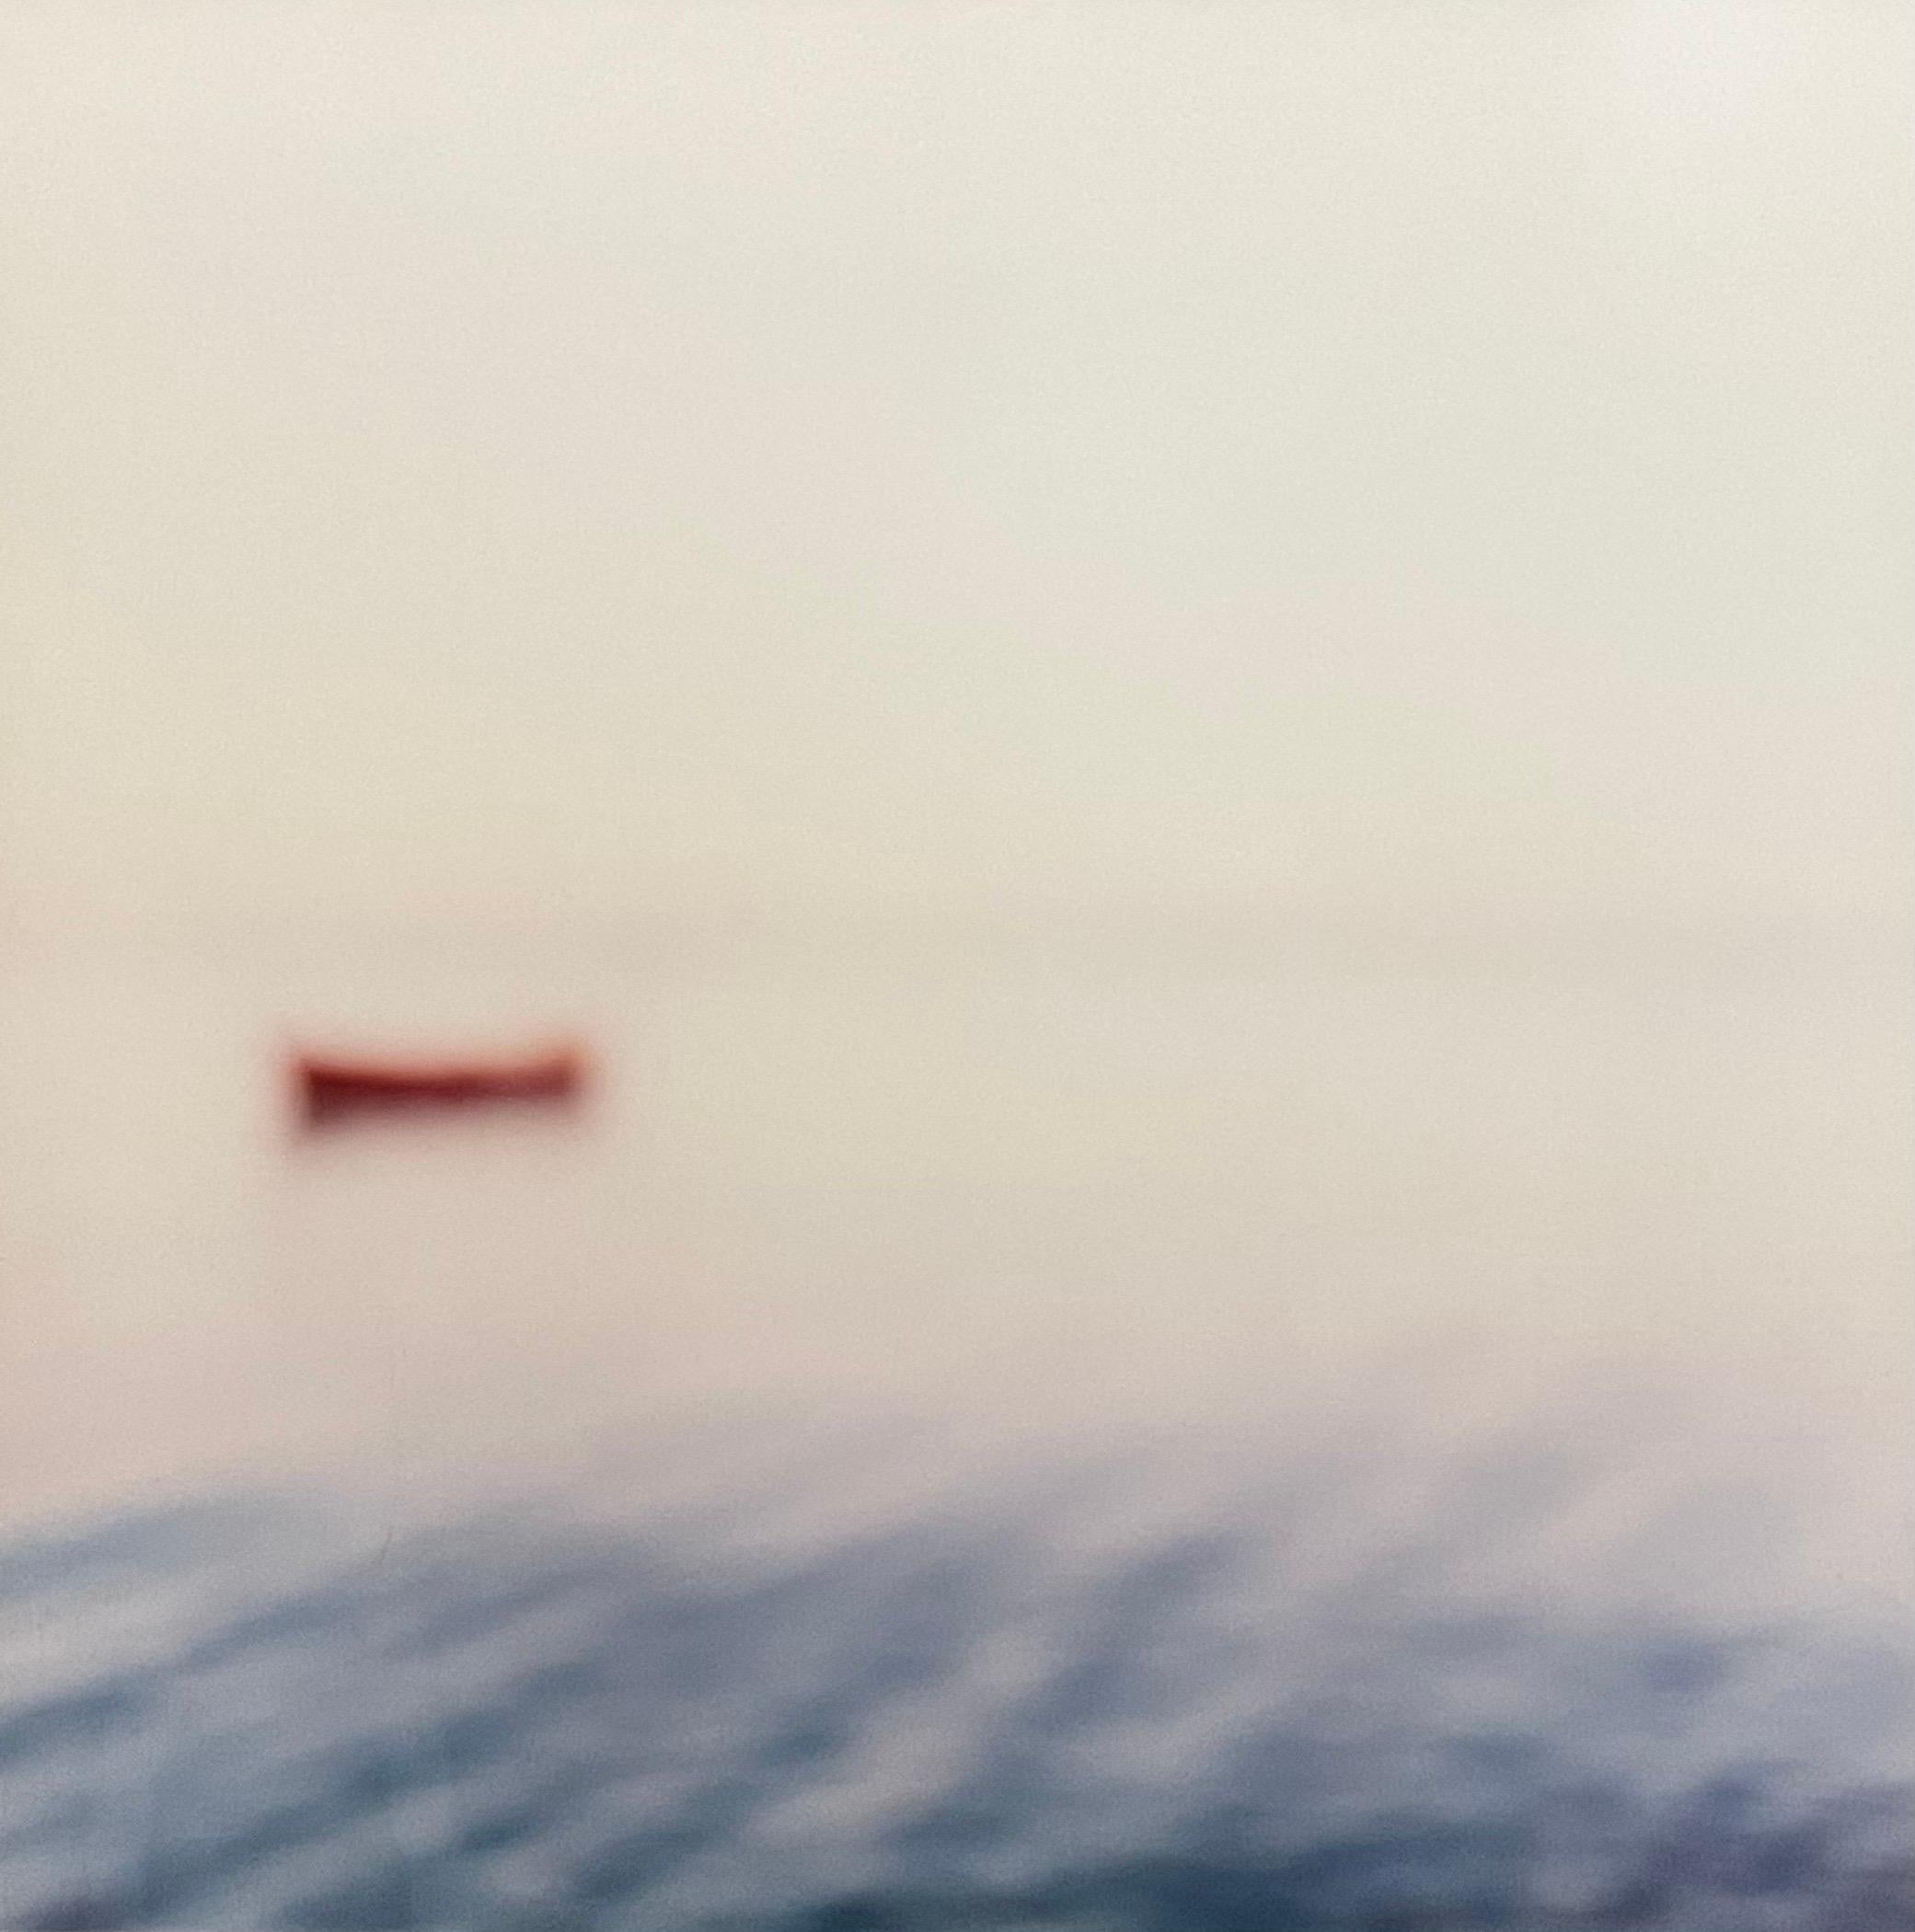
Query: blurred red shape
331, 1087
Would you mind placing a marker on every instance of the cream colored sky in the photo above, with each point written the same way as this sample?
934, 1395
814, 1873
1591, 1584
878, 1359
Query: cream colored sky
550, 460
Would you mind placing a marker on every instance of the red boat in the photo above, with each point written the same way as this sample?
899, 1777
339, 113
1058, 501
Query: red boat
331, 1087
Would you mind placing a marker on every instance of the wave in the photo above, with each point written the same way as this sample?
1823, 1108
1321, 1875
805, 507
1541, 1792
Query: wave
843, 1680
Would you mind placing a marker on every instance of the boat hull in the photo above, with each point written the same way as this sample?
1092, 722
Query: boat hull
331, 1088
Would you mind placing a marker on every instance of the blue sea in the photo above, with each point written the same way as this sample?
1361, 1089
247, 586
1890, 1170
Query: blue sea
937, 1452
1062, 1695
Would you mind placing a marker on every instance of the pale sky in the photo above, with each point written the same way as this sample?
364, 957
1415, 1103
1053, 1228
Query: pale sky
545, 460
542, 468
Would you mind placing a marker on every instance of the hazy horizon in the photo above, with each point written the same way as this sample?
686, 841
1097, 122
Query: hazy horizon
1206, 712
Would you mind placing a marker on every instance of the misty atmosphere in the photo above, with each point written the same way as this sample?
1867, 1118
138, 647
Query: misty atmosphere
1093, 821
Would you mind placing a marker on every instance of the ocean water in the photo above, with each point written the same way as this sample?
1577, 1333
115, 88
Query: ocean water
957, 1440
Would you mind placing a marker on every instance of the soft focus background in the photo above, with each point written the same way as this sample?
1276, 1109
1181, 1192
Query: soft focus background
1207, 708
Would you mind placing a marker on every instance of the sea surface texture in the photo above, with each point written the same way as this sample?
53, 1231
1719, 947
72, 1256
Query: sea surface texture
920, 1449
866, 1679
